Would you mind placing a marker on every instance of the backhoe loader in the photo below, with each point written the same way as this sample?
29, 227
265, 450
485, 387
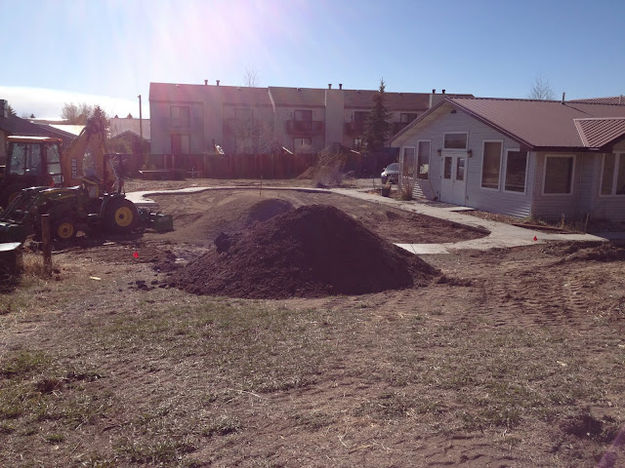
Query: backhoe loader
75, 187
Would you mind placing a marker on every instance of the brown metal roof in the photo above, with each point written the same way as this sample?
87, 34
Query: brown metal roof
603, 100
547, 124
596, 133
363, 99
233, 95
297, 97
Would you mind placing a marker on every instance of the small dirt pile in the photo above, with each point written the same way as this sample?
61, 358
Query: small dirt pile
266, 209
312, 251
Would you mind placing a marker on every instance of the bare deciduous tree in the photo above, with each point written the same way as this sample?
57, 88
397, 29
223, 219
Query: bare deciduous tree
250, 78
541, 89
76, 113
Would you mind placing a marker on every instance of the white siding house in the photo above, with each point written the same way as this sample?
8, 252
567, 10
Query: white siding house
543, 159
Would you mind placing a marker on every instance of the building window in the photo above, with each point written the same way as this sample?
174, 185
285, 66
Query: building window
423, 159
516, 169
447, 167
558, 174
360, 116
407, 117
409, 162
179, 144
491, 164
357, 143
180, 116
303, 115
613, 175
457, 141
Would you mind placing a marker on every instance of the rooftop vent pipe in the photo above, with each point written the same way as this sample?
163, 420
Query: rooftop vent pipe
443, 91
340, 85
434, 91
217, 82
205, 82
563, 96
329, 85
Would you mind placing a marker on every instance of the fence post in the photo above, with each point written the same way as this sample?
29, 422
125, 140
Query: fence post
47, 245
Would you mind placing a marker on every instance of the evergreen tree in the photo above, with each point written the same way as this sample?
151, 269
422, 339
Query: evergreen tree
11, 111
377, 126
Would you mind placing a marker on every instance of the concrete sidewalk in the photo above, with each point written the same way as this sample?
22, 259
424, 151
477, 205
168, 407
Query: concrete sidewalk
501, 235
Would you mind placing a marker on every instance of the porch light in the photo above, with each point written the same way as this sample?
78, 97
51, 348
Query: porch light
439, 151
470, 153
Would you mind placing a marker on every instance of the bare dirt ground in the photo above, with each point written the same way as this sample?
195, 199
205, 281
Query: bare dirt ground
516, 358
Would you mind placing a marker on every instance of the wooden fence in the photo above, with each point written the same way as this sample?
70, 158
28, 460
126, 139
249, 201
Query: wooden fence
267, 166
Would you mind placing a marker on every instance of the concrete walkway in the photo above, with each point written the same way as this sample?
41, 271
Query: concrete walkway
501, 235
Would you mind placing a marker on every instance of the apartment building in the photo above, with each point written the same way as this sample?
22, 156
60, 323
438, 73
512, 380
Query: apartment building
193, 119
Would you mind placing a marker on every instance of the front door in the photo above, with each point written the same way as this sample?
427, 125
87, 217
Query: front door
454, 179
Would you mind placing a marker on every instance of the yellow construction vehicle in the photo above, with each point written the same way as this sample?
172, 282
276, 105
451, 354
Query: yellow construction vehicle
74, 185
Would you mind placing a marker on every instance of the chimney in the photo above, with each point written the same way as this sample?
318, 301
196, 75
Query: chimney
563, 96
340, 85
443, 91
217, 82
4, 109
205, 82
329, 85
434, 91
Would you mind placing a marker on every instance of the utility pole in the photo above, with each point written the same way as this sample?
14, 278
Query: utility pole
141, 133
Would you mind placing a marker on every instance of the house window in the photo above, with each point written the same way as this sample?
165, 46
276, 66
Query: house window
179, 144
558, 174
407, 117
491, 164
180, 116
303, 115
516, 168
423, 159
460, 169
408, 167
447, 167
613, 176
455, 141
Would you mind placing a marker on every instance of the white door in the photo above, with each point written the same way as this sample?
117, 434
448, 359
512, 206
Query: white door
454, 179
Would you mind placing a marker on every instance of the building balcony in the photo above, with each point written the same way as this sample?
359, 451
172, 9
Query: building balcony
354, 128
304, 127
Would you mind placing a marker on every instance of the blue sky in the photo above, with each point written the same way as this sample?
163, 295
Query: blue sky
93, 51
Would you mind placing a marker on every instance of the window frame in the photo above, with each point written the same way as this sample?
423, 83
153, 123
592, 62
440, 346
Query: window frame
617, 161
180, 122
501, 153
571, 181
527, 157
466, 143
427, 174
415, 157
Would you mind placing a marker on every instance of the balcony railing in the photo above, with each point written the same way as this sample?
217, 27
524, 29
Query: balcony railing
304, 127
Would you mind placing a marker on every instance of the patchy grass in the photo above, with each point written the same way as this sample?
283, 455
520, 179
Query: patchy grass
94, 374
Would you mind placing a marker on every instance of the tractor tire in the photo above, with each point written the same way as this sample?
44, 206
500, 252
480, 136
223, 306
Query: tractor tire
64, 230
121, 216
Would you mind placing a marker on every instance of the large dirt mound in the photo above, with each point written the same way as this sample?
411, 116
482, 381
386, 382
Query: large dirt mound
315, 250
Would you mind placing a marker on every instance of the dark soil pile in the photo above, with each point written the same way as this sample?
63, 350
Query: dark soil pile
266, 209
313, 251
